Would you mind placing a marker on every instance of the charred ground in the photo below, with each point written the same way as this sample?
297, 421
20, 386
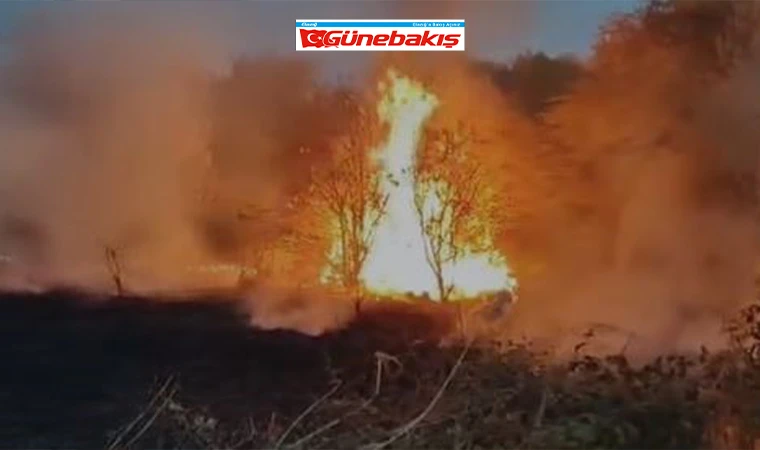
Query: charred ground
79, 371
78, 367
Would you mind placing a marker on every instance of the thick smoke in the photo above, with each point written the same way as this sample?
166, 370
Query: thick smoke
670, 275
669, 249
112, 130
105, 141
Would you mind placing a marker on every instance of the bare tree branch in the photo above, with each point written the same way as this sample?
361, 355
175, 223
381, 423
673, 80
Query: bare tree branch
350, 193
447, 200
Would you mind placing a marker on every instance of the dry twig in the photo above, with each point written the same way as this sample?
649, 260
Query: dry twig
305, 413
538, 419
382, 359
401, 431
249, 437
142, 414
150, 421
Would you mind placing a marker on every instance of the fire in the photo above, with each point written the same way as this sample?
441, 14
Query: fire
396, 261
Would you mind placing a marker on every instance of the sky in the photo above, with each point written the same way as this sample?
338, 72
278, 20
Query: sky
570, 26
498, 29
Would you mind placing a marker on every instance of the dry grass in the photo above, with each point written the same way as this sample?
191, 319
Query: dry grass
475, 398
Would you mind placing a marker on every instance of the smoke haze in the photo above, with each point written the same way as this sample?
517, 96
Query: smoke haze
148, 135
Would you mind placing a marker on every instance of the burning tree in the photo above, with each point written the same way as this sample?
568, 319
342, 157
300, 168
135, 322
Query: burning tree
452, 203
348, 191
416, 185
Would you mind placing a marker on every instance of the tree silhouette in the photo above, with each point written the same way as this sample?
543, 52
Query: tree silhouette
348, 192
450, 199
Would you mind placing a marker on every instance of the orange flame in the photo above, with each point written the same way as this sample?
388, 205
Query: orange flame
396, 261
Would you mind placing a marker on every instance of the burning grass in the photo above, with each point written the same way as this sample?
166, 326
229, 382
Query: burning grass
81, 377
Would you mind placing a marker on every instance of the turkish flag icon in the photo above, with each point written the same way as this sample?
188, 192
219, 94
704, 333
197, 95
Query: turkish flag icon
314, 38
